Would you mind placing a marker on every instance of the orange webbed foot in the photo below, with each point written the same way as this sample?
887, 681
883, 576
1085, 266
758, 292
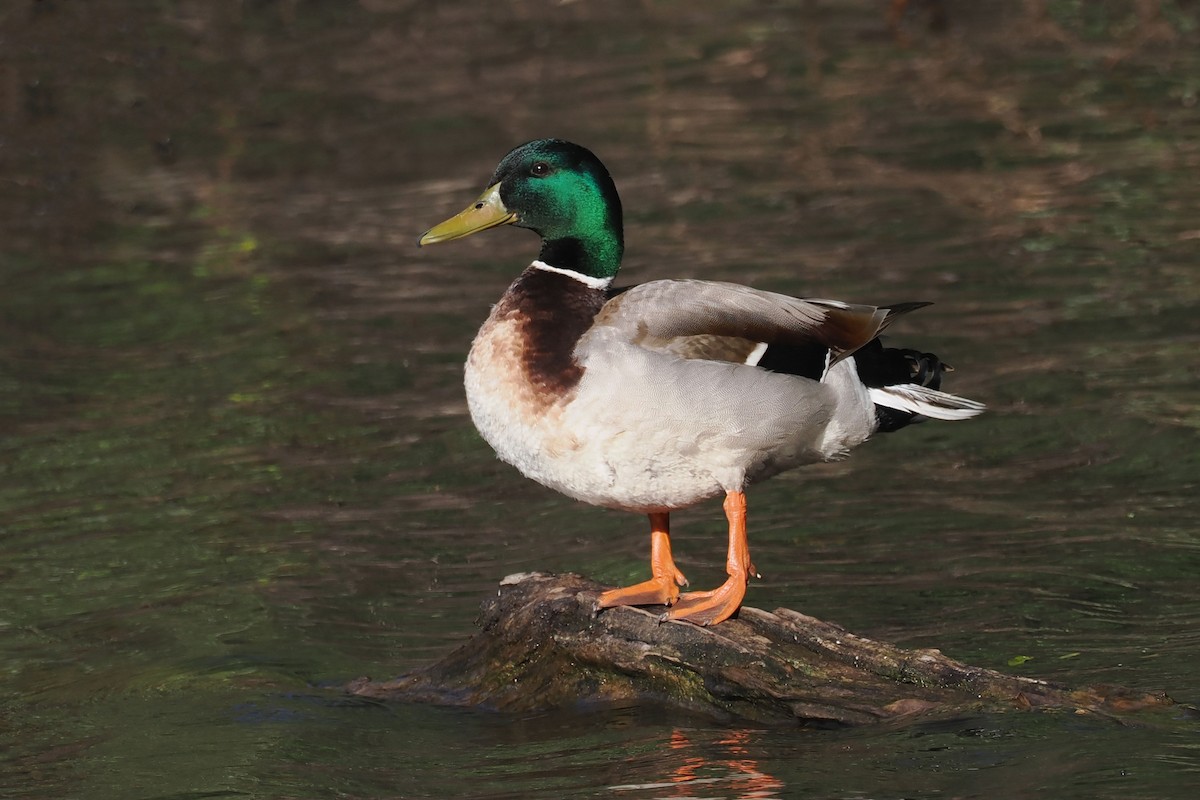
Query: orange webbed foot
709, 608
661, 590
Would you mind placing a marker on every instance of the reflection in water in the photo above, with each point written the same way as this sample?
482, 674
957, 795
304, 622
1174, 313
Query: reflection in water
726, 767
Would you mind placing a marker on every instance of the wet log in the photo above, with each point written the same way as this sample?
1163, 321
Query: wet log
542, 646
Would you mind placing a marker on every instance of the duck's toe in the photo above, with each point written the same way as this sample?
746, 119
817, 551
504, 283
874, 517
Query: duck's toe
709, 608
660, 590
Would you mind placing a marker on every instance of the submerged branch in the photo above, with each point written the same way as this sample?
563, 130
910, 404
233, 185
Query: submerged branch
541, 646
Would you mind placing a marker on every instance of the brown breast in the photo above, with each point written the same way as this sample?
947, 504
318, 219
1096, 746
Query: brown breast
540, 320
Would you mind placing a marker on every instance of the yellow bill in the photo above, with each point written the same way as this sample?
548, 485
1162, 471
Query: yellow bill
487, 211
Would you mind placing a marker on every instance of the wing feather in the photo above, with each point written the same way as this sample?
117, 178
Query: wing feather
733, 319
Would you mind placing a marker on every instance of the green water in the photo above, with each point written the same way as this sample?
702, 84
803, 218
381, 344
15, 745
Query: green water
236, 469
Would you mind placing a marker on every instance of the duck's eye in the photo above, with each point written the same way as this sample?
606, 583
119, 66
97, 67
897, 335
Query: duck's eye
539, 169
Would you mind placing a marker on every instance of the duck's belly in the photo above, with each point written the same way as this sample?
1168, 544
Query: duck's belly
588, 459
613, 468
634, 436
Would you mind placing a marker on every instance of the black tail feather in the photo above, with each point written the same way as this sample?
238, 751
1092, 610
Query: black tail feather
887, 366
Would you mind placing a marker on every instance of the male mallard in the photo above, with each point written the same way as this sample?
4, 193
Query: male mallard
654, 397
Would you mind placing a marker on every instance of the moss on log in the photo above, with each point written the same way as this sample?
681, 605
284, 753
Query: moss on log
542, 646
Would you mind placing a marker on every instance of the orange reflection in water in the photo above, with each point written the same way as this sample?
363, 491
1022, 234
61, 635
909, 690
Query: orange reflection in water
735, 769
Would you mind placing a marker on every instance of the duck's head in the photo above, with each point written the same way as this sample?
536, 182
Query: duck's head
560, 191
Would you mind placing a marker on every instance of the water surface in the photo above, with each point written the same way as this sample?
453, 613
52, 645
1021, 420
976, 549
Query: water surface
235, 464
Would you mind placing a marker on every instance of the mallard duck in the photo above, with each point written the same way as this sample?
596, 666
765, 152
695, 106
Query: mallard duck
654, 397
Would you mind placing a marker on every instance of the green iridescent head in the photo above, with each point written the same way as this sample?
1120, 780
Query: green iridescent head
560, 191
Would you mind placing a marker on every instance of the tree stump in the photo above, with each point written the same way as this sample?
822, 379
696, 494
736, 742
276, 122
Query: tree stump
542, 646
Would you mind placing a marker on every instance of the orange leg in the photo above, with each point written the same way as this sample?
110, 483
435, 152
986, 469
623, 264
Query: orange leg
663, 588
709, 608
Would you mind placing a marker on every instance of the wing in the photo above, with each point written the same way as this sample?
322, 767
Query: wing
730, 322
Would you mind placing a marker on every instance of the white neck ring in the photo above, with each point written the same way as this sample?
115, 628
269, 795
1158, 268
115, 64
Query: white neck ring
586, 280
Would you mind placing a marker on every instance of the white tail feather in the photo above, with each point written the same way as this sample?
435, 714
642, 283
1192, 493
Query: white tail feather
917, 399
